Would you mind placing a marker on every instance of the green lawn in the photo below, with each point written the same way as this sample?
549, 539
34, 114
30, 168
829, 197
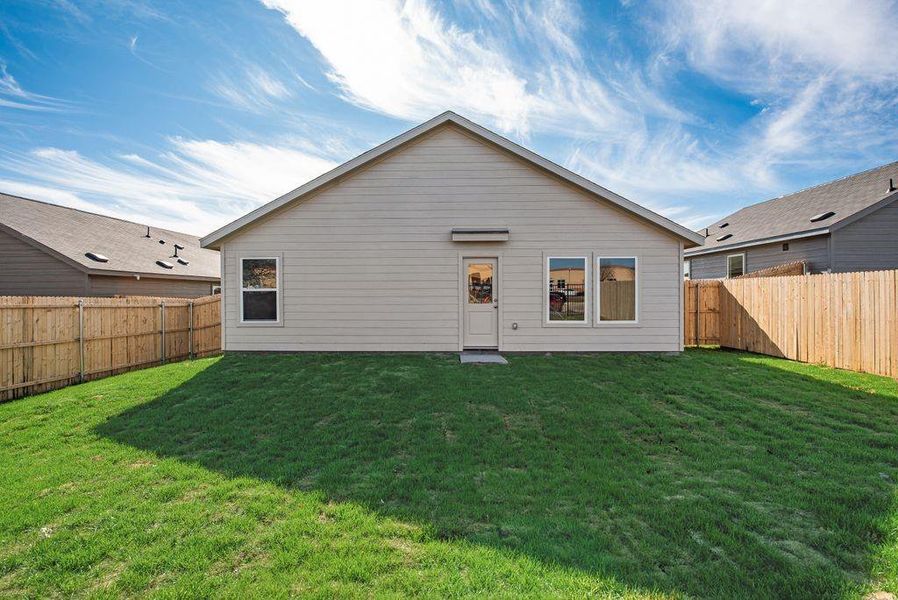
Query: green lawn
709, 474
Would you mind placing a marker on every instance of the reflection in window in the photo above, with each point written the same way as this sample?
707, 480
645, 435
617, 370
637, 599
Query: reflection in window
735, 265
617, 289
480, 283
567, 289
259, 289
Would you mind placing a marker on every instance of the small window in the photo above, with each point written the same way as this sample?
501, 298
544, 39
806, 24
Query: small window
567, 289
259, 285
216, 289
735, 265
786, 247
617, 289
687, 269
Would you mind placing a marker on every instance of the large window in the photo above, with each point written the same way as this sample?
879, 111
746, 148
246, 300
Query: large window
259, 279
735, 265
617, 289
567, 289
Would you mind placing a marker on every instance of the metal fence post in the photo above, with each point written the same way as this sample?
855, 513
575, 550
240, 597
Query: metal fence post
190, 330
162, 348
81, 339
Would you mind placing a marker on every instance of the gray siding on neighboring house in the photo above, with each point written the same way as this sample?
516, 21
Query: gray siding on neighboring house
368, 262
29, 271
106, 285
814, 250
870, 243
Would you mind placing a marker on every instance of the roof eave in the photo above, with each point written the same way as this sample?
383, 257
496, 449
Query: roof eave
758, 242
691, 238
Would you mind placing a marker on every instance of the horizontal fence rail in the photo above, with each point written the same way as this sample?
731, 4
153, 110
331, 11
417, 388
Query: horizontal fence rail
844, 320
51, 342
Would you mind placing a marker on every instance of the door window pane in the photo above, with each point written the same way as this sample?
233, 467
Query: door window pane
480, 283
567, 289
617, 289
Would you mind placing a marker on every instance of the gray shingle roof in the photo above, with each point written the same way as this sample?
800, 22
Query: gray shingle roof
791, 214
73, 233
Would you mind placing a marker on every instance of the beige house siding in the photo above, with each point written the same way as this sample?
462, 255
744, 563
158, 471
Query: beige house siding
368, 262
105, 285
28, 271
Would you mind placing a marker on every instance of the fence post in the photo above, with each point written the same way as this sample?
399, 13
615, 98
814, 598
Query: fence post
190, 330
698, 312
162, 348
81, 339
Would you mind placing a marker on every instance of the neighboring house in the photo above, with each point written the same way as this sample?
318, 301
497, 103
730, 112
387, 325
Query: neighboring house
50, 250
444, 238
850, 224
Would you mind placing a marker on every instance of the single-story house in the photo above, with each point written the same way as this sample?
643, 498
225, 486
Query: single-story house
845, 225
449, 237
50, 250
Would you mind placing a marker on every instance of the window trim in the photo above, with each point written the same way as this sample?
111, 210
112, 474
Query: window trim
598, 321
277, 290
729, 256
586, 292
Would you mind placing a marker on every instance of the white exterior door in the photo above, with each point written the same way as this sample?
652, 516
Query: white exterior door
481, 319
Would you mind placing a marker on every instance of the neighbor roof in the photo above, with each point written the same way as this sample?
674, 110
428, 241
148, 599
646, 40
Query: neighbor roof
71, 234
849, 199
691, 238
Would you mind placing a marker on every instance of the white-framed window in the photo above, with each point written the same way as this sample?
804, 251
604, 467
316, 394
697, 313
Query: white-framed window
687, 269
617, 297
567, 289
260, 285
736, 265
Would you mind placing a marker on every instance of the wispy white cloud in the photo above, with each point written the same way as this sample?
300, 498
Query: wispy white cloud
253, 89
825, 73
14, 96
195, 186
406, 60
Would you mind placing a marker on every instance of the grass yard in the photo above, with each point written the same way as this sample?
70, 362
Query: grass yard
710, 474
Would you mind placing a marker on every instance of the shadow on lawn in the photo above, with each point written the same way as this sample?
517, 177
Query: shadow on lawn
705, 473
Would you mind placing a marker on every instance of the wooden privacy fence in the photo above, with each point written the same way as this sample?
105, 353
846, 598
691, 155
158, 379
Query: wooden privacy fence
844, 320
51, 342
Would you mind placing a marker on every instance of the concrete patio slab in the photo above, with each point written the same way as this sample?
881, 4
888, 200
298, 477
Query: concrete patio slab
483, 357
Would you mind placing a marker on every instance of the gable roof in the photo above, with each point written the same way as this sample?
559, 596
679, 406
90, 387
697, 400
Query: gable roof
69, 234
849, 198
690, 237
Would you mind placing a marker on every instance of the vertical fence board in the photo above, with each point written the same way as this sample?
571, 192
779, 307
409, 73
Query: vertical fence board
40, 346
844, 320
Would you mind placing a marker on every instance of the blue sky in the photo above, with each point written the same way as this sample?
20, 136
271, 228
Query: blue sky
188, 114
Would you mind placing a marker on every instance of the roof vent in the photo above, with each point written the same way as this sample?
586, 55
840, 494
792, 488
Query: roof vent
892, 187
148, 232
165, 264
181, 261
822, 216
161, 241
177, 247
725, 236
97, 257
722, 225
